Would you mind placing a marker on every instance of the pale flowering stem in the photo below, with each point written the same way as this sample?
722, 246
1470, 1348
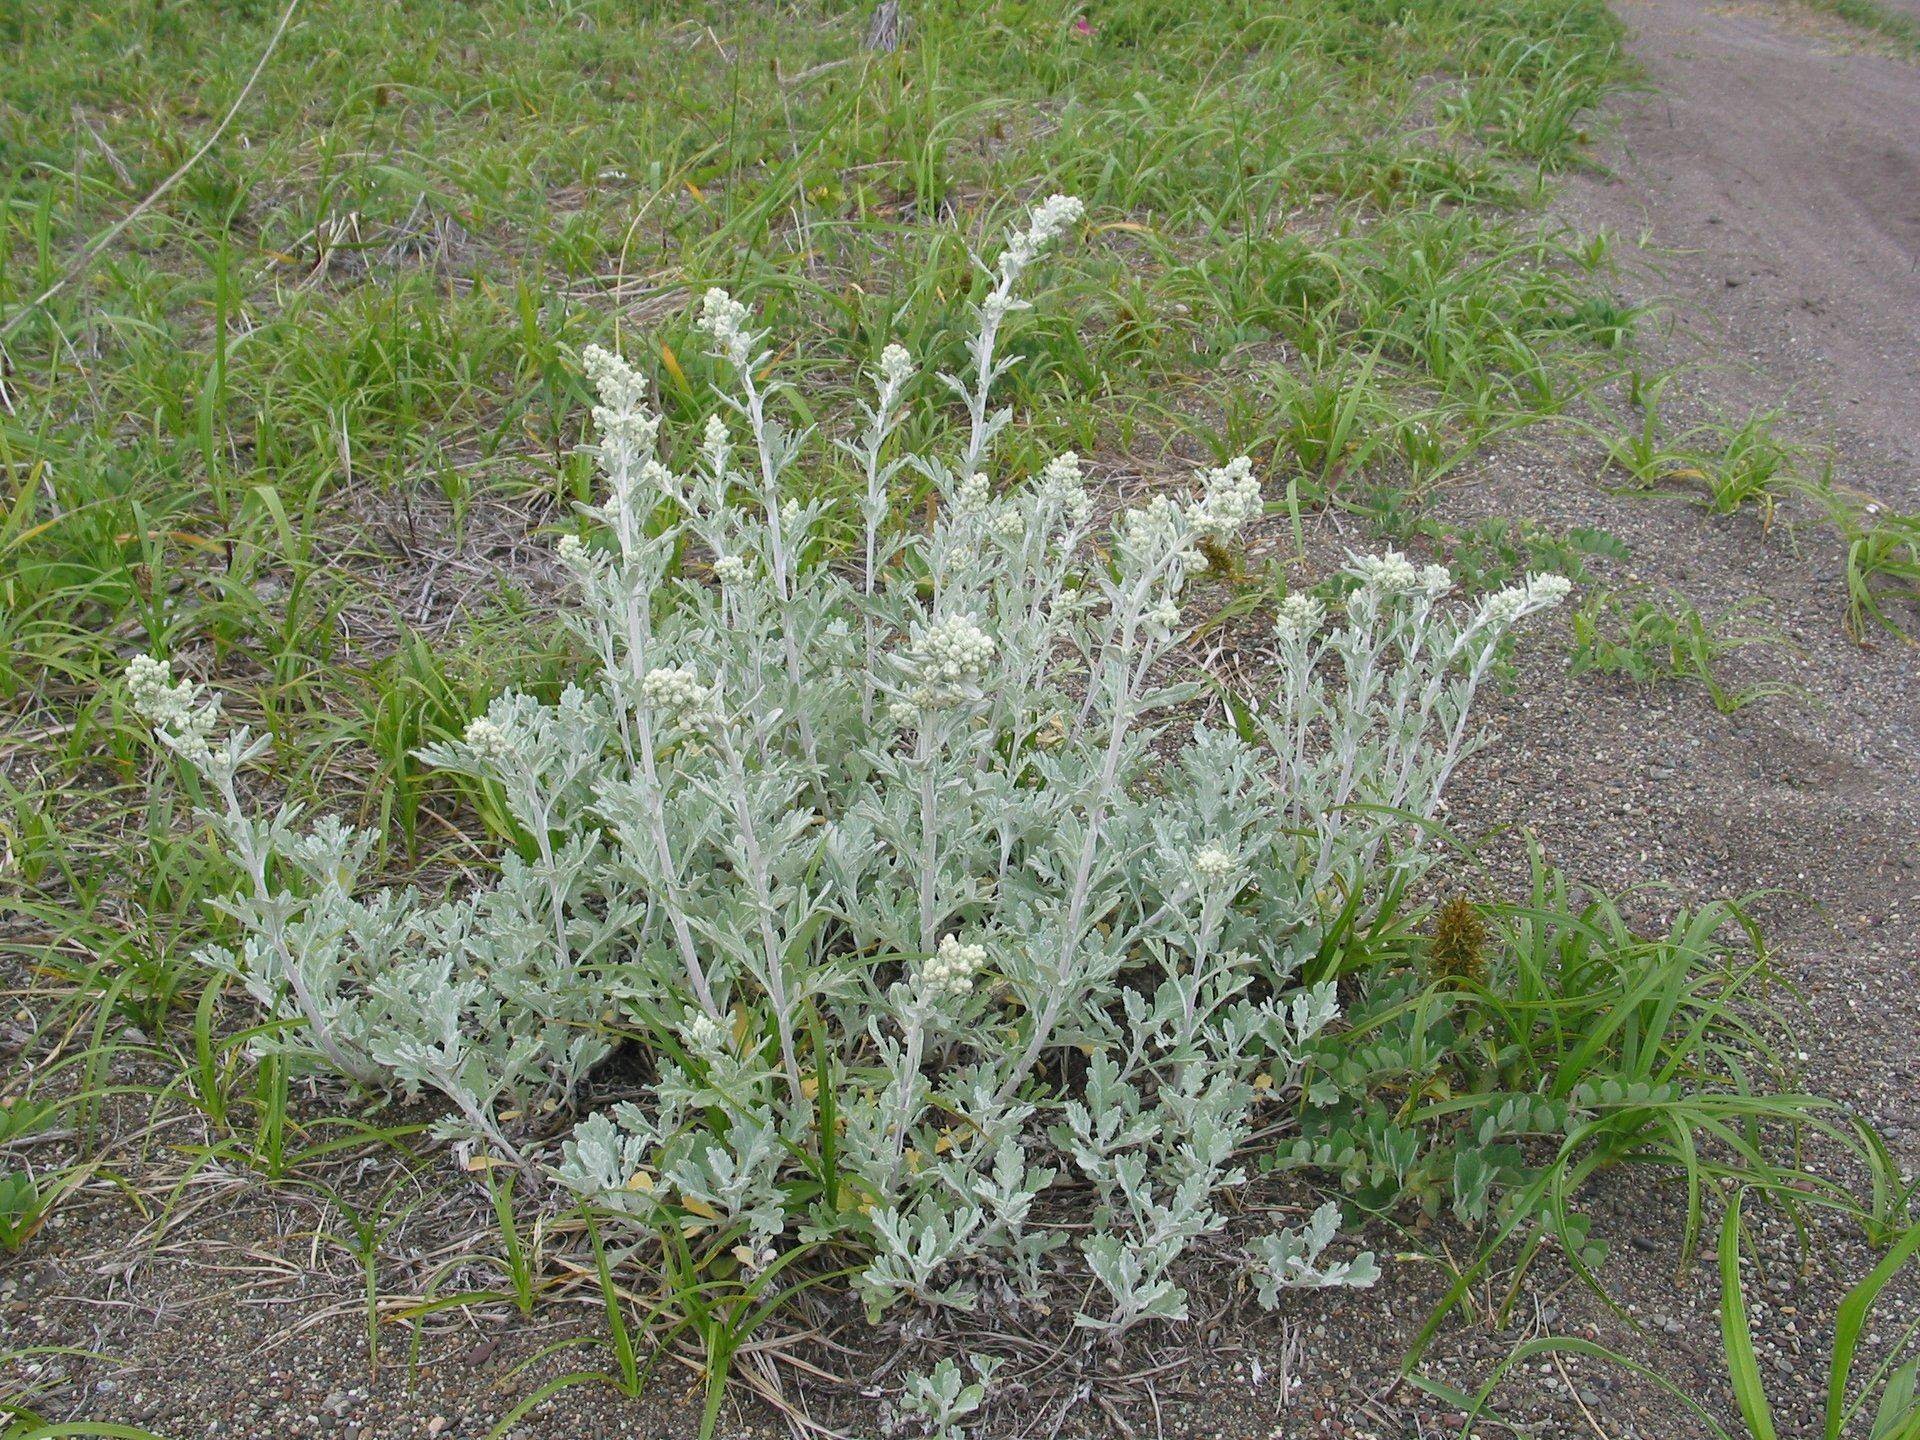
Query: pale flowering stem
276, 933
991, 314
883, 422
872, 642
1414, 633
637, 648
1360, 684
556, 897
669, 875
1457, 737
1126, 682
1300, 681
1131, 605
758, 878
1430, 694
777, 551
1050, 585
769, 481
1479, 661
606, 649
929, 833
1041, 581
916, 1031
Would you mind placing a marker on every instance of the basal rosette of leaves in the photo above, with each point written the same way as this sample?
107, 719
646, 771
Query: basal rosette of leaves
906, 876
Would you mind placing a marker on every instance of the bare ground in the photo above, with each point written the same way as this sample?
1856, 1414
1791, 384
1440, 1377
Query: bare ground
1773, 167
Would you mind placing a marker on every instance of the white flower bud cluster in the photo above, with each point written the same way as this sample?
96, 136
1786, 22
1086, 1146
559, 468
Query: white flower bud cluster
952, 967
1231, 499
1164, 616
954, 650
1212, 863
638, 429
1149, 532
972, 493
1008, 523
723, 320
174, 708
676, 690
1301, 615
622, 416
1537, 592
946, 656
1390, 573
487, 739
571, 550
1151, 526
1548, 589
620, 385
896, 366
1061, 482
155, 695
730, 570
703, 1034
716, 445
1045, 222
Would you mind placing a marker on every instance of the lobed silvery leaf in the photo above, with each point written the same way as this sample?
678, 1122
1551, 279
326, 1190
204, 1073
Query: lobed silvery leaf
1290, 1259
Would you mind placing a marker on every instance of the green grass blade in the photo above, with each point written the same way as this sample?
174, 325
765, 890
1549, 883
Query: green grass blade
1743, 1366
1852, 1319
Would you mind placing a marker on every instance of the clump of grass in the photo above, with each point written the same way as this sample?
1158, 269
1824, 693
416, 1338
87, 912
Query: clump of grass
1546, 120
1649, 640
1753, 466
1883, 569
1330, 422
1731, 466
1538, 1041
1893, 25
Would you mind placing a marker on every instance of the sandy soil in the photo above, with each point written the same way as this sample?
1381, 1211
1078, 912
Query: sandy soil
1773, 167
1780, 164
1775, 175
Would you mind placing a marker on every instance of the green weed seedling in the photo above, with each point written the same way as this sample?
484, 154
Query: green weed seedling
1731, 467
1650, 641
1882, 570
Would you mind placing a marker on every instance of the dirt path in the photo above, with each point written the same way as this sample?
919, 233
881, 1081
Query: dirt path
1773, 168
1781, 161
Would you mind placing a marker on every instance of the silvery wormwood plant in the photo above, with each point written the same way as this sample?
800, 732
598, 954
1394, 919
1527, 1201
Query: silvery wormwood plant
897, 873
